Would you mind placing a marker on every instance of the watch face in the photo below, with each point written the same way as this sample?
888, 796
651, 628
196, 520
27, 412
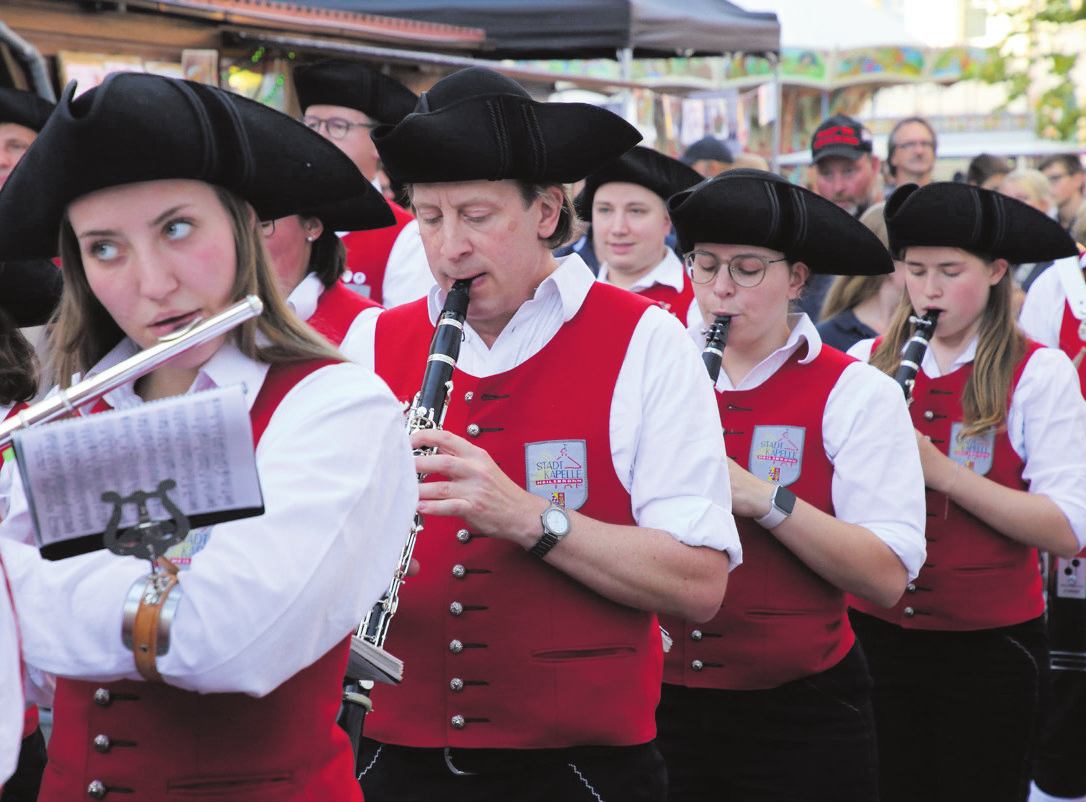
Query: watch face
556, 520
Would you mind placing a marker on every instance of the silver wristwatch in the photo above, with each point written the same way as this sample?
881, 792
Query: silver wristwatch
555, 527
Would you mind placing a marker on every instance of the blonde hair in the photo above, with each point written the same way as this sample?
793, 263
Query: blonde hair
1035, 183
848, 292
82, 331
1000, 347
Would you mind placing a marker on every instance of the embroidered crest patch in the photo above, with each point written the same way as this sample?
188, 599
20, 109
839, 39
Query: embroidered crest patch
557, 470
974, 453
776, 453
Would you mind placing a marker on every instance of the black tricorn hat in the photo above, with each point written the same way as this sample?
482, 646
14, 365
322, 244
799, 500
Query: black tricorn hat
24, 108
643, 166
30, 290
479, 125
708, 148
977, 220
754, 207
138, 127
334, 82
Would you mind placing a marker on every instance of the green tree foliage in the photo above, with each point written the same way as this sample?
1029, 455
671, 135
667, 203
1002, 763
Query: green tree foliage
1029, 66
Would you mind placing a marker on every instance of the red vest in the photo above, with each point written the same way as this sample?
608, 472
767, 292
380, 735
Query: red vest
167, 743
367, 255
780, 621
974, 577
1072, 344
677, 302
336, 311
500, 649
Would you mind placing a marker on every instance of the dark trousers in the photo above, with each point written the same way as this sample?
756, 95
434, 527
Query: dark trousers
393, 773
1060, 769
26, 782
958, 714
810, 739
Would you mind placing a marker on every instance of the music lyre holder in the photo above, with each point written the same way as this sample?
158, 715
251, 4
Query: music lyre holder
149, 538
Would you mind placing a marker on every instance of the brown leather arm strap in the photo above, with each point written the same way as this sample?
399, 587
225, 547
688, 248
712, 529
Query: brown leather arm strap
145, 636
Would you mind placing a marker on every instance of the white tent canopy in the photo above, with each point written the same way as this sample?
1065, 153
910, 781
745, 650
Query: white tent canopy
838, 25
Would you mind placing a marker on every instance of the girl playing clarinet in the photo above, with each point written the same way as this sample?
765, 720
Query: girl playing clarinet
155, 189
960, 663
770, 699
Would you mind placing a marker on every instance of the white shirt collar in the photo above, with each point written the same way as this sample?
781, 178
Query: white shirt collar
568, 285
931, 366
303, 298
668, 271
227, 366
801, 331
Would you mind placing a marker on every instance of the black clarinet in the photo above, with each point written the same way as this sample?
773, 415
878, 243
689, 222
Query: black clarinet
368, 661
913, 352
715, 338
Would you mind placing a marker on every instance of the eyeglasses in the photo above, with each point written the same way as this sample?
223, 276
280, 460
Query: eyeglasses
267, 227
922, 144
337, 127
746, 269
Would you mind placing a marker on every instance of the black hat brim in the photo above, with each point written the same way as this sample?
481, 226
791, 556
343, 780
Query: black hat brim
643, 166
479, 126
353, 86
30, 290
24, 108
753, 207
977, 220
137, 127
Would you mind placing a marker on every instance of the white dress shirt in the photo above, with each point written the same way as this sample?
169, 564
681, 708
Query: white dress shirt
266, 596
1046, 424
1042, 312
664, 427
868, 437
11, 686
669, 271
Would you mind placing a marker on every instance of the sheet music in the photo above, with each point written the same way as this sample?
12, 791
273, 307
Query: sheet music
203, 441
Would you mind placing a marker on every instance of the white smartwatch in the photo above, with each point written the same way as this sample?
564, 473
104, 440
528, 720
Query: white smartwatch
780, 507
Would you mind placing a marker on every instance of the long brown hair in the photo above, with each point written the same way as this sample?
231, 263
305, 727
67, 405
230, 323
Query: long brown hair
82, 331
1000, 347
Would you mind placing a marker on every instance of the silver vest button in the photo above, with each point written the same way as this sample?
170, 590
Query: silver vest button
910, 588
473, 430
929, 415
102, 743
909, 612
97, 790
468, 396
695, 635
458, 722
456, 684
456, 608
463, 535
456, 647
697, 665
102, 697
459, 571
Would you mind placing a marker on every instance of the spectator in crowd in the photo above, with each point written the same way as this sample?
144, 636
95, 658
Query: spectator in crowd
987, 171
845, 168
1064, 172
910, 153
709, 156
1031, 187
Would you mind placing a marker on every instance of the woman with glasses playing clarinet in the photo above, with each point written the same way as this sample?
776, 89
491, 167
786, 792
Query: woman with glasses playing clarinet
770, 699
155, 189
960, 663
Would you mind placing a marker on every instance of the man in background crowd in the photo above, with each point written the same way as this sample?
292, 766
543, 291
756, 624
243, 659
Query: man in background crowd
1064, 173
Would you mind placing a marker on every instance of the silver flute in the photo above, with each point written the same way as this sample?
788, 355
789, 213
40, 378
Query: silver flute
65, 401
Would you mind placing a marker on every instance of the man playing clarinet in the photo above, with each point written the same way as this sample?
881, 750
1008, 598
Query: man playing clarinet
579, 484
